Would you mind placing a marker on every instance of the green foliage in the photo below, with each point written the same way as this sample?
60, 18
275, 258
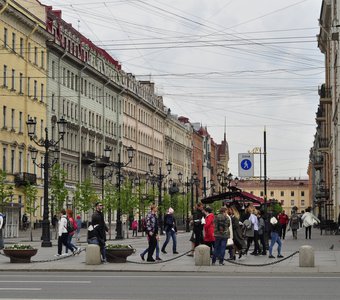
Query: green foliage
85, 196
111, 197
118, 246
275, 207
5, 190
19, 247
30, 192
129, 200
57, 187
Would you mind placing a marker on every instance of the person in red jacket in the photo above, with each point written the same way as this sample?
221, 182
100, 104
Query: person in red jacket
209, 228
283, 220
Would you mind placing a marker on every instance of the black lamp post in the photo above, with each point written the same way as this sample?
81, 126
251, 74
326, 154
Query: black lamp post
225, 180
192, 182
160, 178
119, 165
47, 144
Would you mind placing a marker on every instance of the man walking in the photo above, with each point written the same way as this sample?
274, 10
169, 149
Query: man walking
222, 233
170, 230
152, 231
283, 220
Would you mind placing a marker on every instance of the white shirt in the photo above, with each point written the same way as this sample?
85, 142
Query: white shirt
62, 225
253, 219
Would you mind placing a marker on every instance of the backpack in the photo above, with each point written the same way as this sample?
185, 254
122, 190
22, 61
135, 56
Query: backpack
221, 225
294, 219
247, 224
69, 226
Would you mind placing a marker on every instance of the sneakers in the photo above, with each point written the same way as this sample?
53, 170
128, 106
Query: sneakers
158, 259
221, 263
271, 256
163, 251
150, 260
142, 257
175, 252
280, 256
57, 255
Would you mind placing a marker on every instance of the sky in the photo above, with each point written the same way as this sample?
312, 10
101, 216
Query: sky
252, 64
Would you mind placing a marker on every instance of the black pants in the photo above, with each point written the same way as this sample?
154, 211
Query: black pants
152, 246
263, 243
309, 232
63, 240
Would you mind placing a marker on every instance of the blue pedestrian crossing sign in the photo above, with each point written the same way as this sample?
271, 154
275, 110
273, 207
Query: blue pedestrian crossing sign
245, 165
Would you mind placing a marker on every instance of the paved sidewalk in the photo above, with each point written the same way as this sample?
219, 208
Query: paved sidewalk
326, 260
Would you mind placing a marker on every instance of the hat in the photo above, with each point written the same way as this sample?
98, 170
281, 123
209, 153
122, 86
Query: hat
273, 220
171, 210
208, 209
78, 217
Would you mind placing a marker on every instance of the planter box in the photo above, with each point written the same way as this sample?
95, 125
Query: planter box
118, 255
20, 255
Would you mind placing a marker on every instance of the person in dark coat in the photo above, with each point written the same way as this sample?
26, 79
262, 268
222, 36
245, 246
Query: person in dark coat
275, 237
239, 243
98, 233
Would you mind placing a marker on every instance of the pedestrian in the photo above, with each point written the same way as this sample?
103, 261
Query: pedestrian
309, 220
152, 231
134, 227
147, 250
230, 240
239, 244
275, 238
69, 214
63, 234
170, 229
283, 220
294, 224
209, 228
261, 233
255, 225
79, 223
222, 234
55, 222
99, 228
24, 221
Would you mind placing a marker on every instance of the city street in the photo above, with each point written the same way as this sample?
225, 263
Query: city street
160, 285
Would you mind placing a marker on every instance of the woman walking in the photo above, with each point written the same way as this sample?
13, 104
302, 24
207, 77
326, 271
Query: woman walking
308, 220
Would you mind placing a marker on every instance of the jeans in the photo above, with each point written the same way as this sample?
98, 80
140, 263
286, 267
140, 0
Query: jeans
309, 232
170, 233
63, 240
69, 240
152, 246
275, 238
102, 247
283, 231
219, 249
147, 249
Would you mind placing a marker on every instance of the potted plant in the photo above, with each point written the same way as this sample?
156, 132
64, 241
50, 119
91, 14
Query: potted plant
19, 253
118, 253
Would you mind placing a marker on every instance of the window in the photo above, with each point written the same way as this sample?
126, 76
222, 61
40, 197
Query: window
21, 47
271, 193
282, 193
42, 129
4, 116
292, 203
29, 51
12, 160
5, 37
13, 41
302, 193
52, 102
302, 202
42, 59
42, 92
36, 55
261, 193
64, 76
68, 78
53, 69
28, 86
4, 158
13, 80
292, 193
35, 90
20, 122
12, 118
20, 82
20, 162
5, 76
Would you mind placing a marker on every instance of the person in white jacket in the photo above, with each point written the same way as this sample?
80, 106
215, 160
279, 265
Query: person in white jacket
309, 220
63, 234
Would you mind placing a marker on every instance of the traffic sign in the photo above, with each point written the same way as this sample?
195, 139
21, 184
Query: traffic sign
245, 165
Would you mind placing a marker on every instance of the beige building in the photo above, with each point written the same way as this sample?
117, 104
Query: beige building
23, 65
289, 192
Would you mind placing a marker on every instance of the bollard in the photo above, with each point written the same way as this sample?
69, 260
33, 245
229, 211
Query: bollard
202, 255
306, 256
93, 254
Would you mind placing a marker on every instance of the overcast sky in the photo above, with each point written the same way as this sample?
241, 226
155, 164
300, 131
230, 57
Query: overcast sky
254, 63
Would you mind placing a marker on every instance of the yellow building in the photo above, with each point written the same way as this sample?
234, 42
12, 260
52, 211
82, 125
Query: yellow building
289, 192
23, 90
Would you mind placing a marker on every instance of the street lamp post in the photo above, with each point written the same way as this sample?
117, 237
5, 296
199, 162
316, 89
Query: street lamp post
119, 165
47, 144
160, 178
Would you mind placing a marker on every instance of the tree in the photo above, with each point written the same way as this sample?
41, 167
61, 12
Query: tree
5, 190
110, 202
85, 196
30, 192
57, 188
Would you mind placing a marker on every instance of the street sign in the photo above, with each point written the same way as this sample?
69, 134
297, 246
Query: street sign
245, 165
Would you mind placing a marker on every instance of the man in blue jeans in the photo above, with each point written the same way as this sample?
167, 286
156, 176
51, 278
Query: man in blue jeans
170, 230
275, 238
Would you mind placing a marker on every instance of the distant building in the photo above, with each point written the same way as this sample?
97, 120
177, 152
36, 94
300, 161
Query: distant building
288, 192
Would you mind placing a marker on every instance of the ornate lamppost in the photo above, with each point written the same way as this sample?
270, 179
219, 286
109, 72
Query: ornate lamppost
160, 178
49, 145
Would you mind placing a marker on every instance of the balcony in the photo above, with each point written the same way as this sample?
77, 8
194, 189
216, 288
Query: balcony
325, 94
320, 115
324, 144
23, 179
318, 162
88, 157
